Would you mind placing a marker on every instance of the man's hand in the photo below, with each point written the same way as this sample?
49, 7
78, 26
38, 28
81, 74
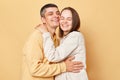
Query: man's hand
73, 66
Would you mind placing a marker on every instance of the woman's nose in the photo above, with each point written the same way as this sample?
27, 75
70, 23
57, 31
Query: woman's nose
65, 21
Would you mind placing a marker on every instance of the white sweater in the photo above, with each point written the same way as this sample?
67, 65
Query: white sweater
72, 44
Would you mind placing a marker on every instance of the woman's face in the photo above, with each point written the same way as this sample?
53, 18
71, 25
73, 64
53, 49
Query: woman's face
66, 21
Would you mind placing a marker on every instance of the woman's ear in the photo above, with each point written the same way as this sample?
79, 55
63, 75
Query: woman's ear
43, 20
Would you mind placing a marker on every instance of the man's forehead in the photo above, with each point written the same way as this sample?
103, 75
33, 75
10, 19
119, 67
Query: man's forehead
51, 9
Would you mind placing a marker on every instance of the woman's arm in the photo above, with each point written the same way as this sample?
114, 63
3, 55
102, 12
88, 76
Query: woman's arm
63, 50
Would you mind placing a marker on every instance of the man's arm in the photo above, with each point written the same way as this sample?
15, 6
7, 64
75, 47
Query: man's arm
35, 58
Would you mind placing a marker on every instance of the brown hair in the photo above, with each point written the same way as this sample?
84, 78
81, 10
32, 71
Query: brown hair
42, 11
75, 21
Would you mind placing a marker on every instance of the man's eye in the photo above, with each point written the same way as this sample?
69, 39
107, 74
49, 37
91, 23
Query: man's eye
50, 13
61, 18
58, 13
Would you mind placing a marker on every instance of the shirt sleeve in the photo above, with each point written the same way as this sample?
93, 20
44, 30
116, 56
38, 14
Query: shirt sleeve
34, 58
62, 51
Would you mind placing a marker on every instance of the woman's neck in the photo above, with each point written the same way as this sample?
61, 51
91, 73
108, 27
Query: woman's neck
65, 33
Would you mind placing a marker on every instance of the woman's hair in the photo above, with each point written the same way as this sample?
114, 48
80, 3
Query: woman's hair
75, 21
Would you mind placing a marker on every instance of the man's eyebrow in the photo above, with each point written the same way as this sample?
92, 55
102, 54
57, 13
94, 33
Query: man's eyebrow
50, 11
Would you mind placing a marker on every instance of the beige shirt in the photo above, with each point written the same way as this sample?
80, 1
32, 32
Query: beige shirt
35, 65
72, 44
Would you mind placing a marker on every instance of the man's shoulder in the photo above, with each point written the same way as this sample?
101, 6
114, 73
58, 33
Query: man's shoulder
36, 33
35, 36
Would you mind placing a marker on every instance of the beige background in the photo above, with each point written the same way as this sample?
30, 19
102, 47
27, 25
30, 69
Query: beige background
100, 26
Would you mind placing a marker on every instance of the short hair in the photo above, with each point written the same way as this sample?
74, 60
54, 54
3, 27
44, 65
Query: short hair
75, 21
42, 11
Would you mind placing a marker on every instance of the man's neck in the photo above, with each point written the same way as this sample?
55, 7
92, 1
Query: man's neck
51, 30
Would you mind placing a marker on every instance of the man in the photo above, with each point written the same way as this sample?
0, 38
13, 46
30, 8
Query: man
35, 65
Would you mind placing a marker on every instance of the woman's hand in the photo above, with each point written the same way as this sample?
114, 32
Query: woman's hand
42, 28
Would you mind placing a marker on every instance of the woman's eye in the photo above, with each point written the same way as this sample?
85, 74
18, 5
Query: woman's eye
69, 19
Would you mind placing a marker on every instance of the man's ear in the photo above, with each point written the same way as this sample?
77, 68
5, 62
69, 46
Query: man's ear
43, 19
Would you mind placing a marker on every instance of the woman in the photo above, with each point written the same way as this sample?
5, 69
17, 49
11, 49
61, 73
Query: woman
71, 44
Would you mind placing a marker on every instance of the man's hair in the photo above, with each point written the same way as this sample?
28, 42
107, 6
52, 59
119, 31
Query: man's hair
42, 11
75, 21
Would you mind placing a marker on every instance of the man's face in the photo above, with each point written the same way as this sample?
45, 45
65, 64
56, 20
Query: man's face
52, 16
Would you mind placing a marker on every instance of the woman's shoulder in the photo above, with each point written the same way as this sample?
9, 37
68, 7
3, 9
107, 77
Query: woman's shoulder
76, 33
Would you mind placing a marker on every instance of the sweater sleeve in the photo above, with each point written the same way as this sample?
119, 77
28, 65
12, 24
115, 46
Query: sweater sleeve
61, 52
33, 53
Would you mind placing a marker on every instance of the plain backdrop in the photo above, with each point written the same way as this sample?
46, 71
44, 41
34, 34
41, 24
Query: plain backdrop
100, 24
